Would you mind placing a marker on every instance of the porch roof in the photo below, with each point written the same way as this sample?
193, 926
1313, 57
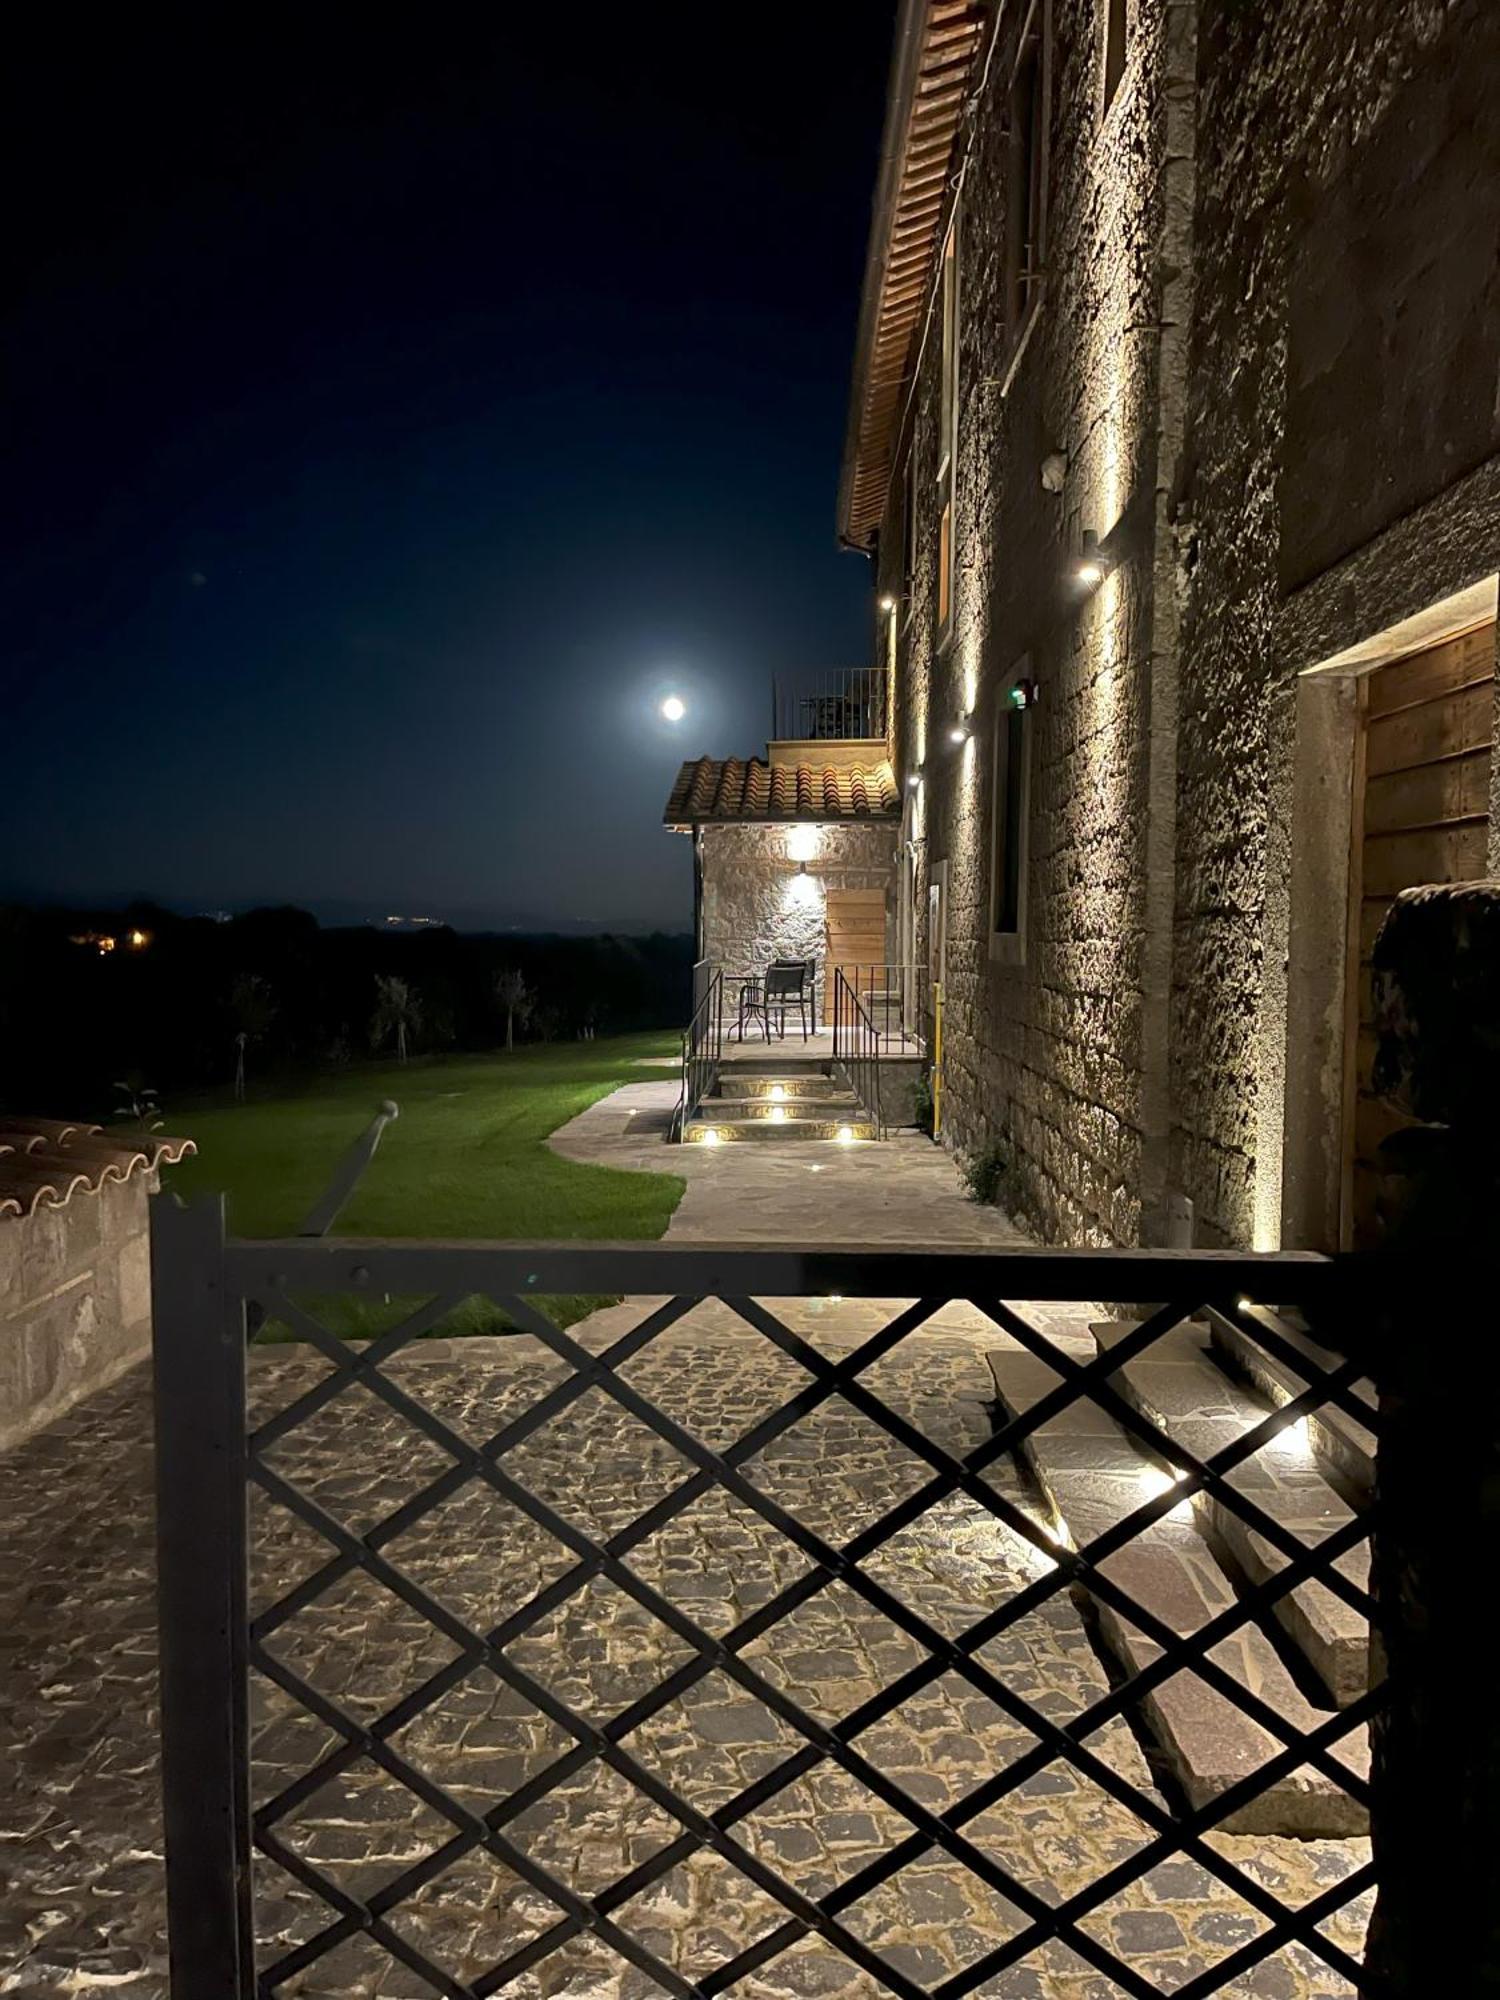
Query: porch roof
738, 790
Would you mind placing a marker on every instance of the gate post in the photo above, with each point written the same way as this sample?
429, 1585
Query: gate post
198, 1358
1436, 1743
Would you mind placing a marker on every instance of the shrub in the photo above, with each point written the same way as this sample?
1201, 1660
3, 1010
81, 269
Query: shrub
922, 1105
987, 1174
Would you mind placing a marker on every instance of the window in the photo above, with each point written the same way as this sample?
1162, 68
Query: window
1116, 47
1026, 176
1008, 841
947, 431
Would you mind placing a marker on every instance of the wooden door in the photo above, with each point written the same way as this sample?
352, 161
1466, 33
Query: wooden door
856, 938
1424, 817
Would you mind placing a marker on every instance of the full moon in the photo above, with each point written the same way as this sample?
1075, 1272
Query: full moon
674, 708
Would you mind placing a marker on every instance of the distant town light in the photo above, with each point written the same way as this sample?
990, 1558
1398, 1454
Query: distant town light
674, 708
138, 939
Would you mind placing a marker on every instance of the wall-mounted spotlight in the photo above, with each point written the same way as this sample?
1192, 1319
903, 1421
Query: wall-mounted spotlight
1090, 566
914, 778
959, 733
887, 602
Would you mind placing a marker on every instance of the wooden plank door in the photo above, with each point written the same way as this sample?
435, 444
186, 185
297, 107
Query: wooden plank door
1427, 743
856, 937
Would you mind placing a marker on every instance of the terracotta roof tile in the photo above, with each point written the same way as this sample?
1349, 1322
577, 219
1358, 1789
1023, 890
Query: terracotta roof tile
44, 1162
732, 788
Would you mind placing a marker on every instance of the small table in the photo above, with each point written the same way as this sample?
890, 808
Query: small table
752, 1008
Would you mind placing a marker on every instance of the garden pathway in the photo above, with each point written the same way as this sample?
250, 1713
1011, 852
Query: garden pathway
900, 1190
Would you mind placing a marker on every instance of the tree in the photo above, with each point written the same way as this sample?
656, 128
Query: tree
517, 999
252, 1009
398, 1011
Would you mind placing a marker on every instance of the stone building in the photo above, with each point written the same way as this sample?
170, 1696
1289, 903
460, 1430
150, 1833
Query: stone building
1175, 441
794, 857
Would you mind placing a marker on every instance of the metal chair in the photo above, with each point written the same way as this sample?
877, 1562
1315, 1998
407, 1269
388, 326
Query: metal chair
789, 983
751, 1010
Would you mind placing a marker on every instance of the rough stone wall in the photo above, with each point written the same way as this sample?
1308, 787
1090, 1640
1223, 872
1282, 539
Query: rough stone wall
75, 1302
1058, 1056
1321, 129
1266, 358
759, 905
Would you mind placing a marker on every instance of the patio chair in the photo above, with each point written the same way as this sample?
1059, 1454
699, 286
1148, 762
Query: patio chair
789, 983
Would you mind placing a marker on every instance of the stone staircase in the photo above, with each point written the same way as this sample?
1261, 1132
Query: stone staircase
1304, 1657
782, 1101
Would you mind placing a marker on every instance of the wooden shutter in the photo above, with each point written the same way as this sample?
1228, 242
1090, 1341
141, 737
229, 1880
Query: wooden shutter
1428, 735
856, 936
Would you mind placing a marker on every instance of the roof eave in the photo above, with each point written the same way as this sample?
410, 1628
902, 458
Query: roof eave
905, 64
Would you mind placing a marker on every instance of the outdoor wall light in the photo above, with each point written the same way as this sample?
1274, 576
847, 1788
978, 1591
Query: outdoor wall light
959, 733
709, 1137
1090, 566
846, 1135
1021, 695
913, 779
802, 845
888, 603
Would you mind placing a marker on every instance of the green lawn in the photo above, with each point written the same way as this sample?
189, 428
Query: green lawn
467, 1157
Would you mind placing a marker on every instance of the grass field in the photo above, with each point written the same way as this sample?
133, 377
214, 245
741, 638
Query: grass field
466, 1157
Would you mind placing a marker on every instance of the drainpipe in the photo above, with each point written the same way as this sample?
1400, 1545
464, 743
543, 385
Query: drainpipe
697, 893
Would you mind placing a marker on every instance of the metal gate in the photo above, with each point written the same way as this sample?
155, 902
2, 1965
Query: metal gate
223, 1822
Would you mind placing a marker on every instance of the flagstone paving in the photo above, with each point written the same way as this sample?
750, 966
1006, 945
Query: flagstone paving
82, 1911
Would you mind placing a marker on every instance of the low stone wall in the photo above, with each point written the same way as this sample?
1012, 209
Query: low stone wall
75, 1301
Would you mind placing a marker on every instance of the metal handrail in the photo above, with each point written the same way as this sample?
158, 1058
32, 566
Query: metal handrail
702, 1043
895, 995
856, 1047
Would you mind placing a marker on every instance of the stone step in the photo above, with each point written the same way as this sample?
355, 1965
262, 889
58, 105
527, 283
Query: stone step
1341, 1441
736, 1082
844, 1130
1092, 1476
1178, 1385
841, 1104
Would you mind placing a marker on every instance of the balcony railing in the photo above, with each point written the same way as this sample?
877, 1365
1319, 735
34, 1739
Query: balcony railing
835, 704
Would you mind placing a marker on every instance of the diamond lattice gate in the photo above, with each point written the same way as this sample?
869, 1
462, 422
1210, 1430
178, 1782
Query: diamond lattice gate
803, 1623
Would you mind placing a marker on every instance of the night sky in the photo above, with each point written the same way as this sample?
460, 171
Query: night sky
393, 416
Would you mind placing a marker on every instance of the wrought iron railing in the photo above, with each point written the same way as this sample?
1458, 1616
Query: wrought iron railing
856, 1048
836, 703
702, 1042
629, 1455
896, 998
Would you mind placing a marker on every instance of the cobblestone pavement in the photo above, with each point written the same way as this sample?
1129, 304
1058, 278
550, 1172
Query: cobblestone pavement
82, 1909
